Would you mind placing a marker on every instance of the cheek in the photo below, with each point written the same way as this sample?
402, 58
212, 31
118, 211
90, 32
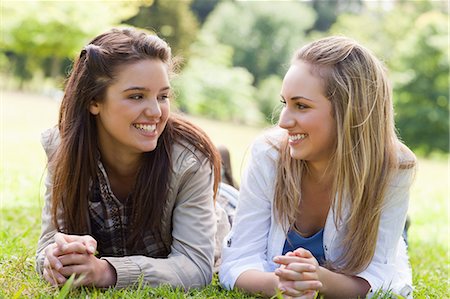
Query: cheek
165, 109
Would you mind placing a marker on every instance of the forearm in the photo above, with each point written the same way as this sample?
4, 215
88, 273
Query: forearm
337, 285
254, 281
176, 271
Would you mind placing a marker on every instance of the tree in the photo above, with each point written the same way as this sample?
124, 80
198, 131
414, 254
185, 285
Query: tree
202, 8
263, 35
421, 90
35, 32
171, 20
328, 11
411, 38
210, 86
268, 97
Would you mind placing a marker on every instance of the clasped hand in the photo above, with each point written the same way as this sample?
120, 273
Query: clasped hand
72, 254
298, 274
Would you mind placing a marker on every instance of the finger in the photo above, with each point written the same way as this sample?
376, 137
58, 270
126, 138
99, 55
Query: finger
306, 295
61, 239
54, 277
52, 272
49, 278
307, 285
51, 260
64, 242
72, 247
301, 272
302, 252
302, 267
289, 292
78, 269
285, 260
74, 259
90, 243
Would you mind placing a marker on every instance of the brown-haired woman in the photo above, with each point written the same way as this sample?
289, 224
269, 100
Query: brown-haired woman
130, 186
324, 199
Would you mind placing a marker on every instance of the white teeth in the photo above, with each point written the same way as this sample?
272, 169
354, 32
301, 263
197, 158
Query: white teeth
147, 128
297, 137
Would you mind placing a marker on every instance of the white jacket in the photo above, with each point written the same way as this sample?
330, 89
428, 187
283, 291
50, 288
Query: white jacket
256, 236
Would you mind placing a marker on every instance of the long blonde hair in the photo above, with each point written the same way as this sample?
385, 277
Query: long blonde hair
365, 155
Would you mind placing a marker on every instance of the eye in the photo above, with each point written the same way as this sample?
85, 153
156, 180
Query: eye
163, 97
136, 97
283, 102
301, 106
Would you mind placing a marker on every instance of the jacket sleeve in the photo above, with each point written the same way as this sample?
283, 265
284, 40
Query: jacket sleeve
190, 263
246, 246
389, 268
50, 141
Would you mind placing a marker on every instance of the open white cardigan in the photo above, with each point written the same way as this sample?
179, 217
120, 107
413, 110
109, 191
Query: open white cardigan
256, 236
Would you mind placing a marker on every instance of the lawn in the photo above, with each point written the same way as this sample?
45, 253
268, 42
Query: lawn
22, 167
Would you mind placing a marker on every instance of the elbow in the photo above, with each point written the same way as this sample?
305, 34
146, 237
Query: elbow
207, 276
199, 276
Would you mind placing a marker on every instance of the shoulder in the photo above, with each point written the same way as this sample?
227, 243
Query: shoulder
185, 155
404, 173
406, 157
268, 144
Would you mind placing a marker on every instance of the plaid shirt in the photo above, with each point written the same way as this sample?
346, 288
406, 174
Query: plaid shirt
110, 223
187, 224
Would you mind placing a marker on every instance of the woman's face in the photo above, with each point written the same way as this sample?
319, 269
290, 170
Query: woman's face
307, 115
134, 112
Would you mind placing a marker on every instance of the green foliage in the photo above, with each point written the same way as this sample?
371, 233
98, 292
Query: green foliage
422, 91
202, 8
268, 96
411, 38
175, 23
328, 11
38, 32
263, 34
244, 43
211, 87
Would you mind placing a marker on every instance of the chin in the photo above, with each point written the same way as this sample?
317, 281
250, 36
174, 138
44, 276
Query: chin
148, 148
296, 155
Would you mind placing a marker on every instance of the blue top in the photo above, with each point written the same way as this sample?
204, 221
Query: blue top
314, 244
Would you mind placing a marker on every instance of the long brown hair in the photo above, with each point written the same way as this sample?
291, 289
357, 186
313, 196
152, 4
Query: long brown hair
75, 162
367, 147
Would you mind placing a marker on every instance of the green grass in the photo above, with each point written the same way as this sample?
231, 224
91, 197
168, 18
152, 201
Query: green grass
25, 116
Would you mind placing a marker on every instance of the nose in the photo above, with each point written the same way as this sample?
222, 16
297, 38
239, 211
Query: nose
286, 121
152, 108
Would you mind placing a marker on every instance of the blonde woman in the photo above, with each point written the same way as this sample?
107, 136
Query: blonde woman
324, 198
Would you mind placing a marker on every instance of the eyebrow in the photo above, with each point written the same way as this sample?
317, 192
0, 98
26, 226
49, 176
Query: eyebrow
295, 98
144, 88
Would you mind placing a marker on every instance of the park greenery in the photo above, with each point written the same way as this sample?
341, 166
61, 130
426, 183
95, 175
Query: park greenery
236, 52
234, 55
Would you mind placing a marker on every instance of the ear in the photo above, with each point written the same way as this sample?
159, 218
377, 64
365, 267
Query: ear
94, 107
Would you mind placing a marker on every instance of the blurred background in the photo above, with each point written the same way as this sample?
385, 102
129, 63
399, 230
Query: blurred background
235, 54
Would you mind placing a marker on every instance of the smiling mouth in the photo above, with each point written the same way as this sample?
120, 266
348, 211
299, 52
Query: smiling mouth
145, 128
297, 137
